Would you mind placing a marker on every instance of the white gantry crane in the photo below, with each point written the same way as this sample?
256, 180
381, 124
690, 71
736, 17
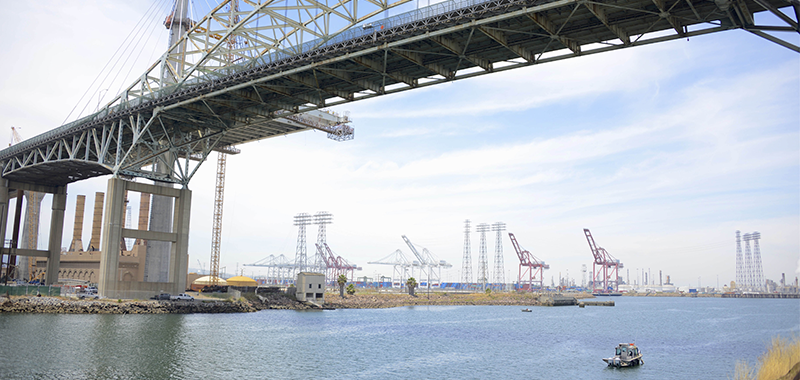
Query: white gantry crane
401, 267
429, 266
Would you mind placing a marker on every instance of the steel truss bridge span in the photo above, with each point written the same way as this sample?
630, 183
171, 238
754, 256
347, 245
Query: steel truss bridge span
178, 120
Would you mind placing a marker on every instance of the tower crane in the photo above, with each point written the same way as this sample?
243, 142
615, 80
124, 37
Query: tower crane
529, 266
609, 274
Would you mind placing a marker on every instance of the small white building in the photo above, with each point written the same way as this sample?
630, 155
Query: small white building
310, 287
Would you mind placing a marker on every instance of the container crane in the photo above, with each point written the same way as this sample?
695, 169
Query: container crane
529, 266
341, 265
331, 273
426, 260
608, 275
401, 267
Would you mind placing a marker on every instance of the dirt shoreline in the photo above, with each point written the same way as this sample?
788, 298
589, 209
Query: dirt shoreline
387, 300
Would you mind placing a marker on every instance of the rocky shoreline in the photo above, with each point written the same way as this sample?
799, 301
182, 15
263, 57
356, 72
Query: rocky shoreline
61, 305
275, 301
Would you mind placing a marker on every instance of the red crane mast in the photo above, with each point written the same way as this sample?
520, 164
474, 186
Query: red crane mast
531, 270
608, 275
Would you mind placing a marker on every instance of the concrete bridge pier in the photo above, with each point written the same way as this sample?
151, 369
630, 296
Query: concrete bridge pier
53, 252
56, 230
110, 285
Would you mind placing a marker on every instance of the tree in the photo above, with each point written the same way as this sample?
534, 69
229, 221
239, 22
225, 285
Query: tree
342, 280
351, 289
411, 284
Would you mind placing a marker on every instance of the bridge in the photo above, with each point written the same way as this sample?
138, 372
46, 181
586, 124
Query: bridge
238, 74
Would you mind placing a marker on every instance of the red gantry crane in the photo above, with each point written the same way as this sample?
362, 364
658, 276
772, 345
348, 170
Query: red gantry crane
337, 265
531, 269
608, 275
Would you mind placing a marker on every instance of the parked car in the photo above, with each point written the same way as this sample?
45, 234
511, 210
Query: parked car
88, 294
182, 297
162, 296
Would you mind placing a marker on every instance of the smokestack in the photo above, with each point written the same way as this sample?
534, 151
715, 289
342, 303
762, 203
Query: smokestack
144, 212
97, 222
77, 231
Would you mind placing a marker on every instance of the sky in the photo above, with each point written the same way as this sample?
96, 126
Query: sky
662, 151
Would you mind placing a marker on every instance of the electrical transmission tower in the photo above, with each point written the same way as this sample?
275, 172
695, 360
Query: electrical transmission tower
498, 278
740, 274
754, 271
300, 259
482, 261
758, 274
466, 268
321, 219
748, 263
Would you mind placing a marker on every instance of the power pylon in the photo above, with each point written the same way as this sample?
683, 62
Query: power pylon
740, 274
466, 266
482, 261
321, 219
754, 271
758, 270
301, 220
748, 263
499, 261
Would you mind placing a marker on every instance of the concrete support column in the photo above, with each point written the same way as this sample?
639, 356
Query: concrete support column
56, 230
113, 223
179, 260
3, 213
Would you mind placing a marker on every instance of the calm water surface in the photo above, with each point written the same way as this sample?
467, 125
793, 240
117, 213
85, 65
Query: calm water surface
681, 338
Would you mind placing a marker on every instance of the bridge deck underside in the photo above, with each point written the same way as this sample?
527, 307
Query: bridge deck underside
477, 40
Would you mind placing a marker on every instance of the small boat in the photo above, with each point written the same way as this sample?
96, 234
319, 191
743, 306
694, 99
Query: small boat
526, 310
627, 355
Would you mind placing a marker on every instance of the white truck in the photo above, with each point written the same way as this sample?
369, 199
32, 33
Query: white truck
182, 297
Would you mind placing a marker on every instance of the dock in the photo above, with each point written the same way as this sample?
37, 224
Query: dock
761, 295
595, 303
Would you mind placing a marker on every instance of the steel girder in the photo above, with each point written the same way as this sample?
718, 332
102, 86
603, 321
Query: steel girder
447, 41
270, 29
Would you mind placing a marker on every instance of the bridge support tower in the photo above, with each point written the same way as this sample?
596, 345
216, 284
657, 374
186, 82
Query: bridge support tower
109, 283
53, 252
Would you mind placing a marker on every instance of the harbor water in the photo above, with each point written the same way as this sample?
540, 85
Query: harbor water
680, 338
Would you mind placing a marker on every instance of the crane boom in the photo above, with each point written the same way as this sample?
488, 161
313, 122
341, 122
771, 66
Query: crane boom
523, 257
421, 259
599, 258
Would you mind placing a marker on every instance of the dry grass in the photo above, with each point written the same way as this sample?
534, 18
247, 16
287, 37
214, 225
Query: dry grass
776, 362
